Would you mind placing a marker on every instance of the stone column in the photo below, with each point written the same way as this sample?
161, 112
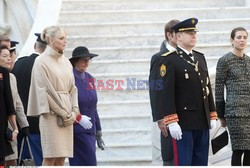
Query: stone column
247, 3
4, 29
156, 145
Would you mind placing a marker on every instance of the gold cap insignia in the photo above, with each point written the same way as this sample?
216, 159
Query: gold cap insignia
193, 21
163, 70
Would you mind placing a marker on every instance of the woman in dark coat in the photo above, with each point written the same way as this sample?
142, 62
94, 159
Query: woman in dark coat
89, 128
233, 73
7, 111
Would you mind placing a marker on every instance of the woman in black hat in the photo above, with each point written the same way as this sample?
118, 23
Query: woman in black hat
89, 128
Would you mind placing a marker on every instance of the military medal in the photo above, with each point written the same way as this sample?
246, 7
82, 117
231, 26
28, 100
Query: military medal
163, 70
207, 90
196, 67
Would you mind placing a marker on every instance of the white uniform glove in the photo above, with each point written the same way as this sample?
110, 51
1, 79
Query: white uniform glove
213, 124
85, 122
175, 130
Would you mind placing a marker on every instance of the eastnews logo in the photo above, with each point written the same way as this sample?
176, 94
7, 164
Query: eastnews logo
128, 84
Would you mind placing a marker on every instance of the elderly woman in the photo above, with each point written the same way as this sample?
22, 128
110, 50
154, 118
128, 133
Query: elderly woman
85, 138
7, 111
232, 75
53, 97
8, 62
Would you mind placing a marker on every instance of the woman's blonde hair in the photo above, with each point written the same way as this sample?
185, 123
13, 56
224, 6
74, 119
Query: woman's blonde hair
51, 32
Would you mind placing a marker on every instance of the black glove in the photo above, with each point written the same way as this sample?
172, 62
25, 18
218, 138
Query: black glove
100, 142
25, 131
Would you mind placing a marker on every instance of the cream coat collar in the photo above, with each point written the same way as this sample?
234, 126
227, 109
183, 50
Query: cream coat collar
52, 53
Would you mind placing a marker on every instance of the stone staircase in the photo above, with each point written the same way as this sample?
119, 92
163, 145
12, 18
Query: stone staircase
125, 34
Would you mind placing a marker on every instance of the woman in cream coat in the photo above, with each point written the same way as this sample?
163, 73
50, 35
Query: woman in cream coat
52, 94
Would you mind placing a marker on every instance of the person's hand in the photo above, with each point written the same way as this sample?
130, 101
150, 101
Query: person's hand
100, 142
163, 128
212, 124
14, 135
25, 131
70, 120
175, 130
85, 122
223, 122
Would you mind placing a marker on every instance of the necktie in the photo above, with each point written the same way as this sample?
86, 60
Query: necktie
191, 56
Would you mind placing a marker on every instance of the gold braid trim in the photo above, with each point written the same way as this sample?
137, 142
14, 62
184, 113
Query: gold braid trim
213, 115
171, 118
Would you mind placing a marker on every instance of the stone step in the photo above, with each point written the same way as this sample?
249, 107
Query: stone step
127, 150
145, 52
151, 15
125, 135
133, 65
141, 39
97, 5
121, 28
127, 81
130, 92
125, 121
222, 158
125, 107
126, 161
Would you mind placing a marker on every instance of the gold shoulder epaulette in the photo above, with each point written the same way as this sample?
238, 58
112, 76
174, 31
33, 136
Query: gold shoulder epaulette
197, 52
167, 53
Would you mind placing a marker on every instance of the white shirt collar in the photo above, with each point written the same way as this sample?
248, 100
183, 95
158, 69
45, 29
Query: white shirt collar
36, 53
169, 47
186, 51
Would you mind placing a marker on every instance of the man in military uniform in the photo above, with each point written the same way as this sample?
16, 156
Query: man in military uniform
186, 101
169, 44
22, 71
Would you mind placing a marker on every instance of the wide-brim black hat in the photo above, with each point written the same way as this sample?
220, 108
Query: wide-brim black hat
80, 52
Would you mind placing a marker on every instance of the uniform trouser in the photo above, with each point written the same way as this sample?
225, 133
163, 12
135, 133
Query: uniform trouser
167, 150
192, 149
36, 148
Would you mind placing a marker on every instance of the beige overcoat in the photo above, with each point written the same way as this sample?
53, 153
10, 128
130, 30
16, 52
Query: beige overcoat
20, 116
53, 92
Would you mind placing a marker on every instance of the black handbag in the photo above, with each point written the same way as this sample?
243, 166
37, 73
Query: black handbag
26, 162
8, 134
220, 141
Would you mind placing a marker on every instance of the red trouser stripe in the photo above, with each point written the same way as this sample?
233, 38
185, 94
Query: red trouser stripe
175, 152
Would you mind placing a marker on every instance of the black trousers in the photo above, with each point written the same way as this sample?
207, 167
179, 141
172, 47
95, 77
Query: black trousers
237, 155
167, 150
